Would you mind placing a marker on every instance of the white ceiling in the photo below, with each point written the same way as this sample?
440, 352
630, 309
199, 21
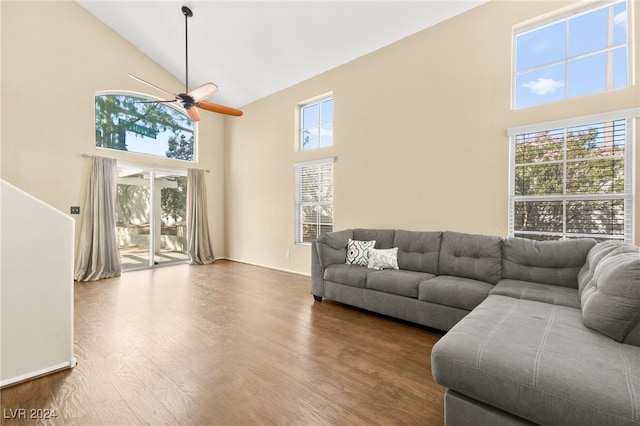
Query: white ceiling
252, 49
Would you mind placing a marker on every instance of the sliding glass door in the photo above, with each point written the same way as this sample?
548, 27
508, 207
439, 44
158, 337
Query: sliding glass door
170, 218
151, 217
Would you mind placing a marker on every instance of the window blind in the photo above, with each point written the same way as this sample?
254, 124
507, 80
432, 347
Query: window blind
314, 199
574, 181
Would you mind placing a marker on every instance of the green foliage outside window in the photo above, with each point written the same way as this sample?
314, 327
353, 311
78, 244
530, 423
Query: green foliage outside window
132, 123
570, 182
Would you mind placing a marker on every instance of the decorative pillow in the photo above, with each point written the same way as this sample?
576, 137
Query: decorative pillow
383, 258
358, 252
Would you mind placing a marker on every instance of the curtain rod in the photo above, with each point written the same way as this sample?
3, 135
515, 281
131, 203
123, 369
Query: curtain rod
85, 155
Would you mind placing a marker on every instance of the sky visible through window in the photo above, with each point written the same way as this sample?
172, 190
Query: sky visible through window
317, 125
576, 56
128, 122
158, 145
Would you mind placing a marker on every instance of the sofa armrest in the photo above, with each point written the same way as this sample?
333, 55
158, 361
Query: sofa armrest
317, 273
327, 250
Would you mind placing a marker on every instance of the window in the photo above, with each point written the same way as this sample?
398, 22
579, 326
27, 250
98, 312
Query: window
314, 199
127, 122
316, 125
573, 179
151, 216
583, 53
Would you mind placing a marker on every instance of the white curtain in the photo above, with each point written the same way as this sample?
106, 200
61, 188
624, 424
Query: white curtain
98, 256
199, 243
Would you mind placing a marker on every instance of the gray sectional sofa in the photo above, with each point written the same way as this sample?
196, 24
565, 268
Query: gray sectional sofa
537, 332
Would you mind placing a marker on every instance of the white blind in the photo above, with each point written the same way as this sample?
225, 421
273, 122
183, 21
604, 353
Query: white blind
572, 182
314, 199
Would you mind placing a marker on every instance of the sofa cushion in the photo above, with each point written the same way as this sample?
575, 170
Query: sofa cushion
596, 254
336, 239
383, 237
611, 298
538, 361
358, 252
418, 251
478, 257
545, 262
332, 247
547, 293
403, 283
462, 293
351, 275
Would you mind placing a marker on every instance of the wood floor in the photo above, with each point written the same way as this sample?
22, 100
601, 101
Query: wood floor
232, 344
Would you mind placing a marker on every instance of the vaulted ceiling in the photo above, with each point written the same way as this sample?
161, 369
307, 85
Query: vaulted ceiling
252, 49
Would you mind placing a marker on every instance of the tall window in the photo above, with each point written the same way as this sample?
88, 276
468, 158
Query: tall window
581, 53
316, 125
573, 179
127, 122
314, 199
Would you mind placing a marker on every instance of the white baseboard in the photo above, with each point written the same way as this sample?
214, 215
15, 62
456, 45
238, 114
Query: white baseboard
32, 375
264, 266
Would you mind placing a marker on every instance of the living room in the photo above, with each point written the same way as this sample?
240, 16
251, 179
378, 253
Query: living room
252, 157
420, 129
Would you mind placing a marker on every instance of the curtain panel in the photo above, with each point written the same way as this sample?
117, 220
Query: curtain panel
98, 256
199, 243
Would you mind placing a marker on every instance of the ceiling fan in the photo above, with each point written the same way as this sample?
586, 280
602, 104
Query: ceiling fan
194, 99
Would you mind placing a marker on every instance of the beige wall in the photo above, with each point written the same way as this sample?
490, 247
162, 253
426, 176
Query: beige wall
419, 127
419, 137
55, 57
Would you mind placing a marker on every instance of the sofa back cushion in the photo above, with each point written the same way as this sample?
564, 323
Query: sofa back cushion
332, 247
595, 256
610, 291
418, 251
471, 256
383, 237
545, 262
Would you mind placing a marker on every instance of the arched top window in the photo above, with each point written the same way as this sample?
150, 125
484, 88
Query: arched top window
129, 122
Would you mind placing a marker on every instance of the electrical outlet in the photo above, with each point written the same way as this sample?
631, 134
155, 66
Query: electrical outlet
287, 254
75, 209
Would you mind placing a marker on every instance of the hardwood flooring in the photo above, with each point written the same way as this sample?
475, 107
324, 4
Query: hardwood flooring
231, 344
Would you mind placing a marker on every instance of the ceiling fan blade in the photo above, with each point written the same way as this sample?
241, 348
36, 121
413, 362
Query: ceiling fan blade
194, 113
152, 85
221, 109
201, 93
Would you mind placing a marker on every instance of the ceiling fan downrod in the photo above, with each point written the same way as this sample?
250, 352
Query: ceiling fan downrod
187, 14
192, 100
